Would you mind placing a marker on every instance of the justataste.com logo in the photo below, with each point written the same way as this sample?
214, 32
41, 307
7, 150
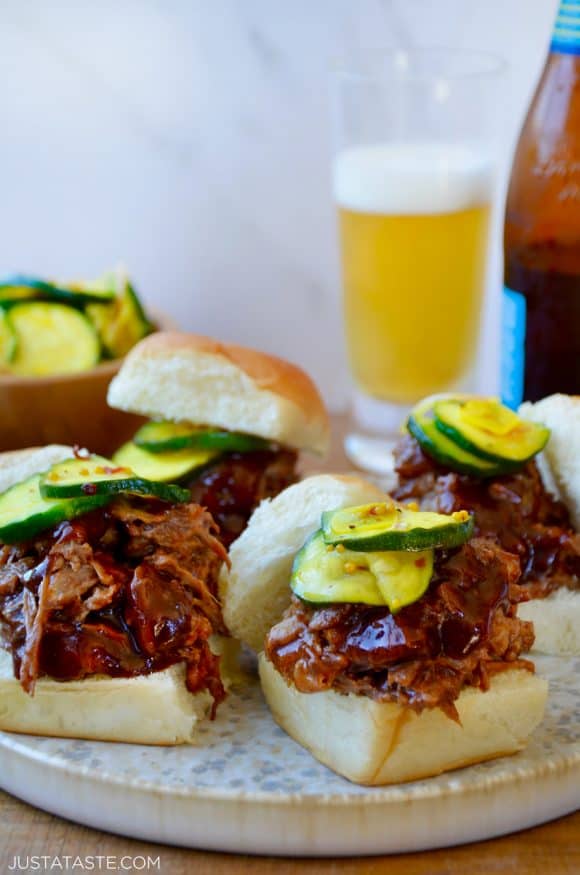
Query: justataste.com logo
96, 863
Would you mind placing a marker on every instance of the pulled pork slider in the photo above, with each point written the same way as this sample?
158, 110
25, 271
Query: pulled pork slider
529, 505
228, 421
556, 616
109, 616
390, 643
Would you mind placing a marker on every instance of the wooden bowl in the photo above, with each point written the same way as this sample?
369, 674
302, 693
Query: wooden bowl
65, 409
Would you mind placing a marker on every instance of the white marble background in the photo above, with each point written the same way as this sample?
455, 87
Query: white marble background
191, 140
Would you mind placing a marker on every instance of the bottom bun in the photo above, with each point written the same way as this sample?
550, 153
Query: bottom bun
556, 622
377, 743
148, 709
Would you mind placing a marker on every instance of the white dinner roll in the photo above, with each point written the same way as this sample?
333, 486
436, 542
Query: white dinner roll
556, 622
189, 378
149, 709
19, 465
377, 743
561, 414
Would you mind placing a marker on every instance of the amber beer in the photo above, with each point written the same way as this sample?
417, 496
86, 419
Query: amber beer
414, 226
541, 312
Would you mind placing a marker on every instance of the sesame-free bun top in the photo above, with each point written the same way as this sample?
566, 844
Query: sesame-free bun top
18, 465
190, 378
560, 460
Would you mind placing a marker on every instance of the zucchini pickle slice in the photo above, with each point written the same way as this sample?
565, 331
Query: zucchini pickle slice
324, 574
422, 426
75, 478
487, 428
162, 467
8, 340
159, 437
121, 322
51, 339
24, 512
387, 526
18, 287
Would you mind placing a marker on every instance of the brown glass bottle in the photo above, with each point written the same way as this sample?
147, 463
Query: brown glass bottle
541, 316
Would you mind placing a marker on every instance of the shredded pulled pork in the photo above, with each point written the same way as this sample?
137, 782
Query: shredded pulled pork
463, 630
514, 510
233, 487
125, 590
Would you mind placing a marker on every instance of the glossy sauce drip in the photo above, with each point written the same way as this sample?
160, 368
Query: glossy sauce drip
152, 620
233, 487
425, 652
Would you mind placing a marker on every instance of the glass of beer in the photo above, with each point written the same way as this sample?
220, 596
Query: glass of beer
413, 179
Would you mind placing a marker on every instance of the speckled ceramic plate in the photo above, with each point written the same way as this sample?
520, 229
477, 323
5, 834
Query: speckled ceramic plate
249, 788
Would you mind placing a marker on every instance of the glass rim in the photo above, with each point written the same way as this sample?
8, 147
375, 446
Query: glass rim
492, 65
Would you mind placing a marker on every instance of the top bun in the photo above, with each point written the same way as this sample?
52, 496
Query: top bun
256, 590
19, 465
561, 456
191, 378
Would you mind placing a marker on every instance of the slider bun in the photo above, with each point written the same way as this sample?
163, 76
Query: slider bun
556, 622
255, 592
561, 457
19, 465
147, 709
377, 743
190, 378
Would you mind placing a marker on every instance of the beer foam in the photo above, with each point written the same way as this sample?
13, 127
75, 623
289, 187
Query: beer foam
412, 178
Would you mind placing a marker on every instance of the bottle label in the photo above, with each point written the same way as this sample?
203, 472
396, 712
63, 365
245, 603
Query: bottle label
513, 352
566, 36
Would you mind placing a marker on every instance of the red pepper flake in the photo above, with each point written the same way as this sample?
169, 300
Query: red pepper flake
89, 488
118, 470
420, 563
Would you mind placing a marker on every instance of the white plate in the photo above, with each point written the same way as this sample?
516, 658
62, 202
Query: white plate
249, 789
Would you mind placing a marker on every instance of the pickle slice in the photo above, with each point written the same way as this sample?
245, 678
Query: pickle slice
421, 425
487, 428
159, 437
24, 512
51, 339
163, 467
19, 286
7, 340
325, 574
75, 478
121, 322
387, 526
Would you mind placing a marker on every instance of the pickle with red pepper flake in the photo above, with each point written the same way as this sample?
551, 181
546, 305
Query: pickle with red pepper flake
97, 476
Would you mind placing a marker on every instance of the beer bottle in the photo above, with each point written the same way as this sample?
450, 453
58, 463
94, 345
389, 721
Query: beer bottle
541, 300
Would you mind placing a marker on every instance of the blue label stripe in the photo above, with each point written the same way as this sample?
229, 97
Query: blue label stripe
513, 348
566, 36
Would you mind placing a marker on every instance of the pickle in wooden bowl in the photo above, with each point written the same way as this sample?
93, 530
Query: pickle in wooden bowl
60, 346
